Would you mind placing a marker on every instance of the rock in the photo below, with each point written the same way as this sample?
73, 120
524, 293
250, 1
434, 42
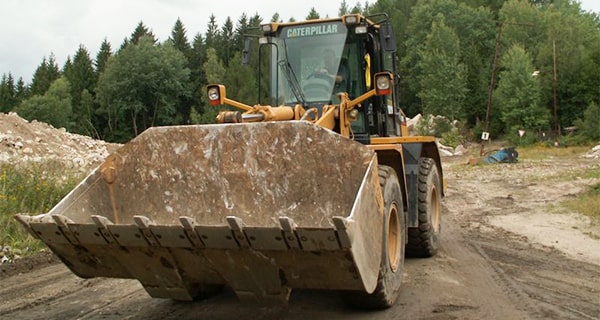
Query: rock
446, 148
445, 153
414, 121
412, 124
594, 153
460, 150
79, 162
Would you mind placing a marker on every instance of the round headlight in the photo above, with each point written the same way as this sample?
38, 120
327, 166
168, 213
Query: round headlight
383, 83
213, 94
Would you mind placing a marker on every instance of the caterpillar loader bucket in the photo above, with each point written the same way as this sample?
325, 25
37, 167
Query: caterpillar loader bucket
260, 207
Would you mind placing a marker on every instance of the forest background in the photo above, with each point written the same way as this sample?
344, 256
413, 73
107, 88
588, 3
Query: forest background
547, 77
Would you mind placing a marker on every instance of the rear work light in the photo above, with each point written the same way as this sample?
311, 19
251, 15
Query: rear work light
384, 83
214, 95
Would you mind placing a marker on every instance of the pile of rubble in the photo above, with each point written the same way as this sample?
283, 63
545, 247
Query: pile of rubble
445, 151
8, 254
594, 153
22, 142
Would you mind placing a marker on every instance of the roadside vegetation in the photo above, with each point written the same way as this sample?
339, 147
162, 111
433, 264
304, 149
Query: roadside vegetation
587, 203
32, 189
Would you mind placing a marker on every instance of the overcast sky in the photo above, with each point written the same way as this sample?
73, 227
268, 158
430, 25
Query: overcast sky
33, 29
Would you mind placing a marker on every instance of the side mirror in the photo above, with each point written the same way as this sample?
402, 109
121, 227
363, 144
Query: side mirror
388, 40
246, 51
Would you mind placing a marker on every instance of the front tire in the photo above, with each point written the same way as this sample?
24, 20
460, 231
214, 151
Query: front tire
393, 246
423, 241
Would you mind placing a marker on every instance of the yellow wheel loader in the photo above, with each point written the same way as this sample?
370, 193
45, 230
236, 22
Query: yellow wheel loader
317, 186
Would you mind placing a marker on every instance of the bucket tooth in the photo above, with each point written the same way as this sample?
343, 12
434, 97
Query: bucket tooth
49, 231
144, 224
289, 232
237, 227
143, 221
340, 224
62, 223
189, 225
103, 223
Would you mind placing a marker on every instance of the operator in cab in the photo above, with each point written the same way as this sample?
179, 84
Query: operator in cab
338, 72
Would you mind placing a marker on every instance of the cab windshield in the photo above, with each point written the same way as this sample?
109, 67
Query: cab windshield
309, 64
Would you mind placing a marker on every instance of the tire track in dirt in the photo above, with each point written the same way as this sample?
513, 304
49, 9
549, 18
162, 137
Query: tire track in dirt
29, 295
550, 285
539, 279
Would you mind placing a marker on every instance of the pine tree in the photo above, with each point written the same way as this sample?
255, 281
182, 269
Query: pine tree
357, 8
255, 21
46, 73
12, 94
344, 9
241, 81
180, 42
276, 18
5, 94
197, 75
179, 38
212, 32
82, 77
225, 45
241, 30
21, 91
313, 14
140, 31
102, 57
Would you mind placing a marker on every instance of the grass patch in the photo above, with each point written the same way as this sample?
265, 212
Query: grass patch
33, 189
587, 203
540, 152
592, 235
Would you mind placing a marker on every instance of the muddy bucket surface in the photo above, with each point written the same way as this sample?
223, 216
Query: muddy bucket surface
262, 207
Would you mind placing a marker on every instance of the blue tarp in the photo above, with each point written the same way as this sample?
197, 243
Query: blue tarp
504, 155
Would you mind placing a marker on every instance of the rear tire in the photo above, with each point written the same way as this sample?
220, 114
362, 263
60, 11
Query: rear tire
423, 241
393, 243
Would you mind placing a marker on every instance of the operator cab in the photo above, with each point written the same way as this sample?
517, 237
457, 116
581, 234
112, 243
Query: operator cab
309, 63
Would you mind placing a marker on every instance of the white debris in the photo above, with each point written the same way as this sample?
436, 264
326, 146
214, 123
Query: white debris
594, 153
22, 141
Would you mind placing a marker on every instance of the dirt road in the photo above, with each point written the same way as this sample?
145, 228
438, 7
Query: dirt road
505, 255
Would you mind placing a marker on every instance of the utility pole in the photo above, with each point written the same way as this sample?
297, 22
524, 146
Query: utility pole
486, 134
554, 94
